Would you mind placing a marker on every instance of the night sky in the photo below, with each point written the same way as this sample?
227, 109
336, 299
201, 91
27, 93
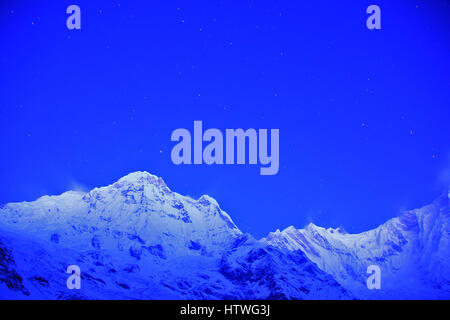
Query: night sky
363, 114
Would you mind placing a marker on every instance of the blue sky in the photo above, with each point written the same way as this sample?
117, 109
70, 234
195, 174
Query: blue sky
363, 115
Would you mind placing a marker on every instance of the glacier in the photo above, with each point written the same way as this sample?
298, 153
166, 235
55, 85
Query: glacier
137, 239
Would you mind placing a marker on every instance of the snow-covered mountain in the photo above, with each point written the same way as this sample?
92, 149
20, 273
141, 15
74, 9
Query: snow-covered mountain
136, 239
412, 251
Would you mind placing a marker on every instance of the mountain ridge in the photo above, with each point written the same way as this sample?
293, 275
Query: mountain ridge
126, 235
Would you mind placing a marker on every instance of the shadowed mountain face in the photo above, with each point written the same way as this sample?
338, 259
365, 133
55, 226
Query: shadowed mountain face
136, 239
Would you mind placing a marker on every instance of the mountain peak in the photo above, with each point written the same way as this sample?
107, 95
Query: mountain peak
312, 226
339, 229
142, 177
137, 176
290, 229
